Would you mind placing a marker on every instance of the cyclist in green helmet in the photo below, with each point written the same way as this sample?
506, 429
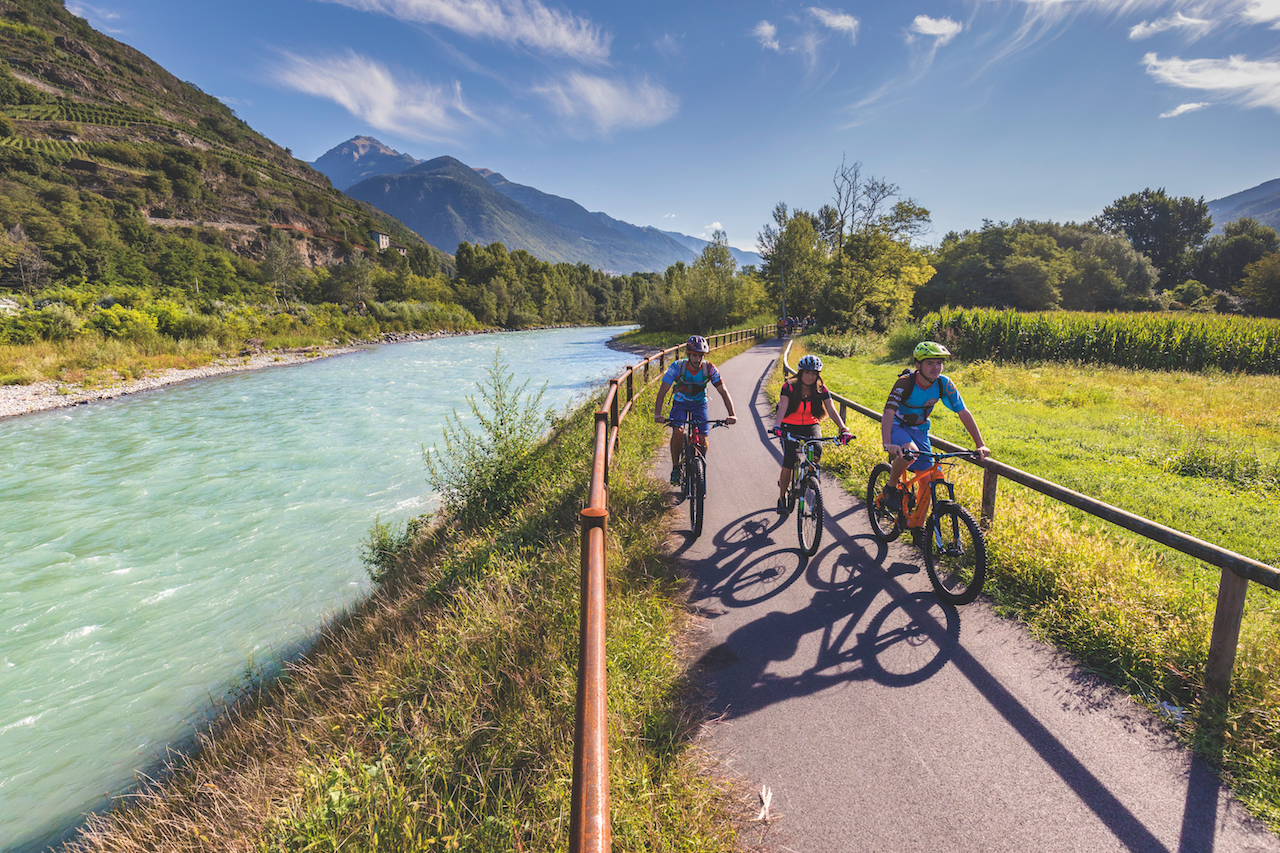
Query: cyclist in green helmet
904, 425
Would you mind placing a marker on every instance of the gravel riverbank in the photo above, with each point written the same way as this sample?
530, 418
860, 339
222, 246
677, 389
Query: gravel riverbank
49, 394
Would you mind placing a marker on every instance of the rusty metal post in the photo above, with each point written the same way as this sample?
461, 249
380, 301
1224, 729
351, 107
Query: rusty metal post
989, 481
589, 826
1226, 635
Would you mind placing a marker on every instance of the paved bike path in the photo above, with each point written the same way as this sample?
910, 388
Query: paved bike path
883, 720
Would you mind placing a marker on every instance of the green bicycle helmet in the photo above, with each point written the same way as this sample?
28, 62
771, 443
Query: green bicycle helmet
930, 349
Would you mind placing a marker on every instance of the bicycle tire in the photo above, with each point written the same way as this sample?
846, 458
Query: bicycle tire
809, 516
886, 523
697, 493
955, 554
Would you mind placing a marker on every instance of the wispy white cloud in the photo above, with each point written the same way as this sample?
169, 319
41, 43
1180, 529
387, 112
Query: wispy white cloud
841, 22
767, 34
525, 22
101, 18
1184, 108
942, 30
1194, 27
369, 90
1254, 83
669, 46
1263, 12
607, 105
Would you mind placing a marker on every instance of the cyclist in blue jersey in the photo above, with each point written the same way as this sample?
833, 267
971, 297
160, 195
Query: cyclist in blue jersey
905, 422
690, 377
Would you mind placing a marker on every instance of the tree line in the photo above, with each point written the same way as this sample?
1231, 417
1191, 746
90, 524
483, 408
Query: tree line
855, 264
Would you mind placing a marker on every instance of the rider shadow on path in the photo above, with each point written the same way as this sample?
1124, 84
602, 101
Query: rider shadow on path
899, 643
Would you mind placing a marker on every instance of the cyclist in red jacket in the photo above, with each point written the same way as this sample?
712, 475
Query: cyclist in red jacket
802, 405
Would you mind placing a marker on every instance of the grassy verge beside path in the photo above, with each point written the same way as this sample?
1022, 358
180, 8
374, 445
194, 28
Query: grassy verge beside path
439, 714
1196, 452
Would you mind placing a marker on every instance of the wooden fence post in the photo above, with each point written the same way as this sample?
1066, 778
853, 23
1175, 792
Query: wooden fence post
989, 480
1226, 635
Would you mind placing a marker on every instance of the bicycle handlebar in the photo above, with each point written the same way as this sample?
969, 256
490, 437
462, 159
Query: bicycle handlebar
972, 455
724, 422
824, 438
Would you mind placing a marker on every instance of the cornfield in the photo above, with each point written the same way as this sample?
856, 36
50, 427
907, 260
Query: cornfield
1148, 341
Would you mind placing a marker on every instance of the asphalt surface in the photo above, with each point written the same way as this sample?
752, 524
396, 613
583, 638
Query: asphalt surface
883, 720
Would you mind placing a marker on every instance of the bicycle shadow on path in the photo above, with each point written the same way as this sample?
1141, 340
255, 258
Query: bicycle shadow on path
901, 642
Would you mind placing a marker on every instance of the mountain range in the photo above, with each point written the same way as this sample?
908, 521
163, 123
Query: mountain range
448, 202
1261, 202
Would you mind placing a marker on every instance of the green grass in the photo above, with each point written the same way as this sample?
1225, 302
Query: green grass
439, 714
1195, 451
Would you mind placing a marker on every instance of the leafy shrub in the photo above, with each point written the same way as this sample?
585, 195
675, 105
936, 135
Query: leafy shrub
59, 322
386, 544
479, 474
125, 323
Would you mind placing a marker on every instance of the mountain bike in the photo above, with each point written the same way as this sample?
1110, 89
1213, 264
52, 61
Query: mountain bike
955, 549
805, 495
693, 468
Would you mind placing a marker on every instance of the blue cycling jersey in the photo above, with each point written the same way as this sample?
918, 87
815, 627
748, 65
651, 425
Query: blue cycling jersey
912, 404
690, 387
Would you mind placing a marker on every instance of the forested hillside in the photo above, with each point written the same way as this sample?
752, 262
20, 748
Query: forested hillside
135, 207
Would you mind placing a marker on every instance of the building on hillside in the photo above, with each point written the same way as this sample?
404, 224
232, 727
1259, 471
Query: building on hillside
383, 242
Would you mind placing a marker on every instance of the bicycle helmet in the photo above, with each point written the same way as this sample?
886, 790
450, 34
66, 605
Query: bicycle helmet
931, 349
810, 362
697, 343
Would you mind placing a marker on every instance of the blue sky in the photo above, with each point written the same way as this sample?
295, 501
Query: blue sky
705, 113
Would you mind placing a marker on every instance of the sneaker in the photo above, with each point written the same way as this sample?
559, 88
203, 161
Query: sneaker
917, 537
891, 497
675, 476
782, 507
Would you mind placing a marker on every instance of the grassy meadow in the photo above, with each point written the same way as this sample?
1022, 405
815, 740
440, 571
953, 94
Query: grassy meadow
1199, 452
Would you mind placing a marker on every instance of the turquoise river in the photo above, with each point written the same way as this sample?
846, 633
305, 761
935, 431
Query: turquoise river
159, 550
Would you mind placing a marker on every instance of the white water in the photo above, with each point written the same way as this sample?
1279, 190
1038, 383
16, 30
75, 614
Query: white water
157, 549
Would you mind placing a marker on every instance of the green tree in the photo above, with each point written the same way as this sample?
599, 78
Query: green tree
281, 267
795, 261
875, 277
1261, 285
1221, 262
1167, 230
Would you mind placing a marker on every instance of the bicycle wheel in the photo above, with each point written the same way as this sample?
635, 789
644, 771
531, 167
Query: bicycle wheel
955, 554
697, 493
809, 516
885, 521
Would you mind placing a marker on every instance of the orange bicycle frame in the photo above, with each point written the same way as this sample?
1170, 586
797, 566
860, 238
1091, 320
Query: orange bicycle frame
921, 482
